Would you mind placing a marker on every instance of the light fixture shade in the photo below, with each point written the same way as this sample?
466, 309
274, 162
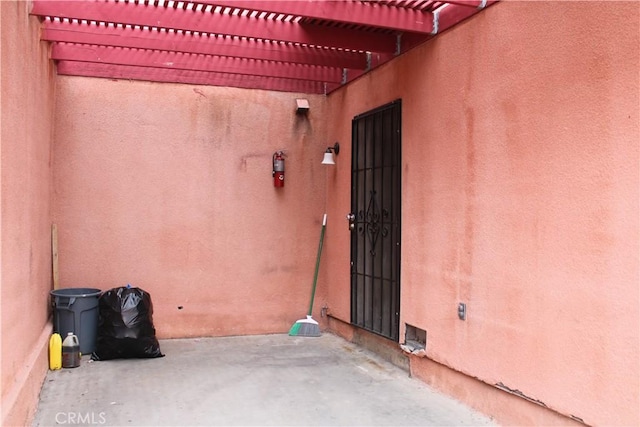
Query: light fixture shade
328, 158
302, 106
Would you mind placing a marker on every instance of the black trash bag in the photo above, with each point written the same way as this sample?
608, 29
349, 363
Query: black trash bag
125, 325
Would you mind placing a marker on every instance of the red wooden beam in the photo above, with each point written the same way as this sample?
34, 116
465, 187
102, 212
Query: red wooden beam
453, 14
202, 44
186, 61
361, 13
216, 23
477, 4
112, 71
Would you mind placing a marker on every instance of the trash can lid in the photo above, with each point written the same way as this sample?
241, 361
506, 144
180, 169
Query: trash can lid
76, 292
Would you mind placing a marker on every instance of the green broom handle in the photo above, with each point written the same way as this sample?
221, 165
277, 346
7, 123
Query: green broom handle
315, 275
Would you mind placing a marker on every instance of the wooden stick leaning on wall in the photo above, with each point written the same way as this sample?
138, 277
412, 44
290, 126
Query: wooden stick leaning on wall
54, 255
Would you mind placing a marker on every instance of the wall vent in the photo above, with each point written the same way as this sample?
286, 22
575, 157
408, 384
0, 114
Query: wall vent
415, 340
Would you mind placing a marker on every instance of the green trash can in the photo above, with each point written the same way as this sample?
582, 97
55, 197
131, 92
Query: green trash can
76, 310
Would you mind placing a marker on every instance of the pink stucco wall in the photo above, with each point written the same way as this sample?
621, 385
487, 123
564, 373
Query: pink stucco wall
25, 267
520, 172
169, 188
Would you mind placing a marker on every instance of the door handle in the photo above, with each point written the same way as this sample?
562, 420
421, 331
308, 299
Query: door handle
352, 221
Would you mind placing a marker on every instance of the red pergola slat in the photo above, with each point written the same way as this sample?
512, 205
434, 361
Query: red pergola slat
188, 61
214, 23
452, 15
351, 12
112, 71
477, 4
203, 44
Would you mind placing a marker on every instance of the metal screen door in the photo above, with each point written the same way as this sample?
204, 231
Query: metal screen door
375, 220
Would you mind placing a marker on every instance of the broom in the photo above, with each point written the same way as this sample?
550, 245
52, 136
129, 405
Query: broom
308, 327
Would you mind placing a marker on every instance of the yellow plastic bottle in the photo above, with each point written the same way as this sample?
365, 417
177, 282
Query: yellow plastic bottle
55, 352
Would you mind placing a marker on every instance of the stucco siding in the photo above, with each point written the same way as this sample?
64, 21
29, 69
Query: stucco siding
520, 199
28, 89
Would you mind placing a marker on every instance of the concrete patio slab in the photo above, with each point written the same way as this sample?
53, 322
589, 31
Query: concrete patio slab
253, 380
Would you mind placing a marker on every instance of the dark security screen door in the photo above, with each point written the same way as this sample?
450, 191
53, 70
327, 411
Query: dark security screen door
375, 208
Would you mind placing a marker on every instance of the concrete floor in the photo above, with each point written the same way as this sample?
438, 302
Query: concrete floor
254, 380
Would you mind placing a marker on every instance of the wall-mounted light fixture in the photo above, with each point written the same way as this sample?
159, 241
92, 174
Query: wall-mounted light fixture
328, 155
302, 106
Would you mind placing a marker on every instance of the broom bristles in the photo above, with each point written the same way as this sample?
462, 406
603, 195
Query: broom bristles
305, 328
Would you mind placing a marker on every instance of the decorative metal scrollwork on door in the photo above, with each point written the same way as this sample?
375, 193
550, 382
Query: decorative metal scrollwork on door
373, 222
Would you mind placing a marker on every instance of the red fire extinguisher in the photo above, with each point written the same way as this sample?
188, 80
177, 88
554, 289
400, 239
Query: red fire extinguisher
278, 169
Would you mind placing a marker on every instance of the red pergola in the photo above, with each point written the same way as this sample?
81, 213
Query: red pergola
308, 46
